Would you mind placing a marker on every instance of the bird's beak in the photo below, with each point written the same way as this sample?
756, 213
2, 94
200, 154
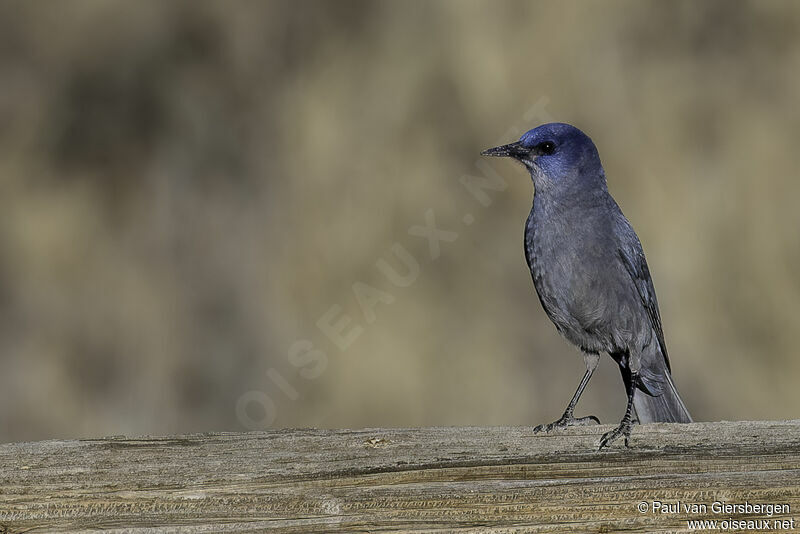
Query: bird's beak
512, 150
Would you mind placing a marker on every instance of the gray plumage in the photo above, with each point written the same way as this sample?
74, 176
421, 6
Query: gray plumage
591, 275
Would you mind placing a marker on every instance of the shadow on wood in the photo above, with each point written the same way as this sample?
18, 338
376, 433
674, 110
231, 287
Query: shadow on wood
413, 480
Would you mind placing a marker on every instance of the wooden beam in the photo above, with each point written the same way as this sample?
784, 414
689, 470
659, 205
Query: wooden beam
413, 480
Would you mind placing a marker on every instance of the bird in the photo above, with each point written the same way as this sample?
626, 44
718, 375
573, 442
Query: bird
591, 276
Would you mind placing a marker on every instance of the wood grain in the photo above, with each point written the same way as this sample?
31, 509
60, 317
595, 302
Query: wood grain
412, 480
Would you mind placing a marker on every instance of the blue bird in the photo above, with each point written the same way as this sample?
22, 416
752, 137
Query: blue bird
591, 275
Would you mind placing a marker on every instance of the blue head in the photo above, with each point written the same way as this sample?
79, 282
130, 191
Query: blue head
557, 155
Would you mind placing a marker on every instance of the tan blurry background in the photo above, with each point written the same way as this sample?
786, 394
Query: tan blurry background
187, 187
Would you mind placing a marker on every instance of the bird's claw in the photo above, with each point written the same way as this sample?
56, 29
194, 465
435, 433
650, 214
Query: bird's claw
624, 429
566, 421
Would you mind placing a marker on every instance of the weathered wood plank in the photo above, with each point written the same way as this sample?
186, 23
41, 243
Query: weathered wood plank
416, 480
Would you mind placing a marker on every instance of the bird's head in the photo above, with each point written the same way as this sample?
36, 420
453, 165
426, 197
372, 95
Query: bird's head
557, 155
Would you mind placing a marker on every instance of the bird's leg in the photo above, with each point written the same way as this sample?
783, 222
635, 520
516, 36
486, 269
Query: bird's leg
568, 419
626, 425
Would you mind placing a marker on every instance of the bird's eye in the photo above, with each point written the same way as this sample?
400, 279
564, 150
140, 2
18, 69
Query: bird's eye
546, 148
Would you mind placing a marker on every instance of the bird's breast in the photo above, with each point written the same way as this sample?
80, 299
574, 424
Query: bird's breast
573, 270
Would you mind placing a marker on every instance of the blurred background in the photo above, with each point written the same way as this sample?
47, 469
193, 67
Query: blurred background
188, 188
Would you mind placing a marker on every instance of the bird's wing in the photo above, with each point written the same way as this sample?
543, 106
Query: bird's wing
636, 265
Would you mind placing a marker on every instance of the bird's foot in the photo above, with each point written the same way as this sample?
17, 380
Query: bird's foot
567, 421
624, 429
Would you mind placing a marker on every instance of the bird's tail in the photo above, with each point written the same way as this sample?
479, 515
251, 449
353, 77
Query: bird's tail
667, 407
